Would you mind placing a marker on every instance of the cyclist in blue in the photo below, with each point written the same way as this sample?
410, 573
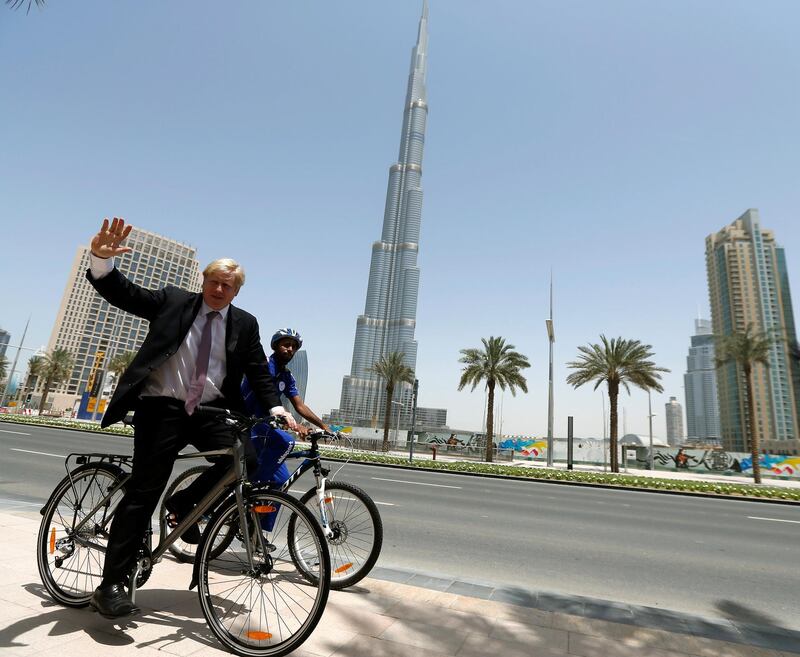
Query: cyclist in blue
274, 445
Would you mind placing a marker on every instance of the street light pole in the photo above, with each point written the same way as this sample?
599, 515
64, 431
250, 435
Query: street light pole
551, 336
413, 420
650, 420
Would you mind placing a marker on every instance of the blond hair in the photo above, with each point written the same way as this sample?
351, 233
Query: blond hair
228, 266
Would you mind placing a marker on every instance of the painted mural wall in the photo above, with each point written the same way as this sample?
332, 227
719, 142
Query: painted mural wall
720, 461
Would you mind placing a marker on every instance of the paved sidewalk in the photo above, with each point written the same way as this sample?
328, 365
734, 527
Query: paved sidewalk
393, 614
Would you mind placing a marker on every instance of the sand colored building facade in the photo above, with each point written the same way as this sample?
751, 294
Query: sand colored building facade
748, 285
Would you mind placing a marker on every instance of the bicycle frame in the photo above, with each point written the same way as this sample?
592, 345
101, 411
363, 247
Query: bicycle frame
233, 478
312, 461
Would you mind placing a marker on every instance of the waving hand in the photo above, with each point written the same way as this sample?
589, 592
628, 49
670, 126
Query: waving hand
106, 243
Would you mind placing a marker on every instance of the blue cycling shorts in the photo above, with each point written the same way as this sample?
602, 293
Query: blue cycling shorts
272, 447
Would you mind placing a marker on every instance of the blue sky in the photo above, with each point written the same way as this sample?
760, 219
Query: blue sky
604, 140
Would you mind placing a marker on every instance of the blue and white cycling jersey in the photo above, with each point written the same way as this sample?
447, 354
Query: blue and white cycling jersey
285, 385
272, 445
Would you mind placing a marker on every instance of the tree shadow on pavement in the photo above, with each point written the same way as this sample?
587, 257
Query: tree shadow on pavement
737, 612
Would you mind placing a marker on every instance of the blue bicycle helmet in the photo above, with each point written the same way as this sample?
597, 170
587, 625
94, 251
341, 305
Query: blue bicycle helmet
280, 334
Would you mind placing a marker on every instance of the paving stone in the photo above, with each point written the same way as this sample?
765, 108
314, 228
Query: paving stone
351, 619
583, 645
446, 618
376, 602
535, 636
362, 646
481, 646
428, 582
561, 603
471, 590
513, 596
424, 635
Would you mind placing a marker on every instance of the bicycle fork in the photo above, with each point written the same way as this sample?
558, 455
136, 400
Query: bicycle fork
324, 502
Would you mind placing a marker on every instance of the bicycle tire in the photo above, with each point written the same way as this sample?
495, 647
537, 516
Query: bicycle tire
182, 551
70, 571
357, 527
270, 611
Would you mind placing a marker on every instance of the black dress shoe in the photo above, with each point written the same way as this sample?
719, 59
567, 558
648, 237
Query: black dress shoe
192, 534
112, 601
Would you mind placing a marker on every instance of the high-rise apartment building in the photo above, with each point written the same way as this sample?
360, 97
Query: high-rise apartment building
93, 330
700, 386
749, 285
299, 369
674, 417
390, 312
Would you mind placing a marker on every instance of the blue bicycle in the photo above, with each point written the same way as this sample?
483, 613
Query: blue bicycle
349, 518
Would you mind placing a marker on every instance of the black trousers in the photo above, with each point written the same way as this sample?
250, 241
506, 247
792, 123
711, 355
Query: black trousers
161, 430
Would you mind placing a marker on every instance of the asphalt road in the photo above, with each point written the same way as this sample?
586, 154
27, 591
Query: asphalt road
712, 557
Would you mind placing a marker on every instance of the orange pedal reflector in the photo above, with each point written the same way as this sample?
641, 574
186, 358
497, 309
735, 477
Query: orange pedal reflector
342, 568
259, 636
264, 508
52, 540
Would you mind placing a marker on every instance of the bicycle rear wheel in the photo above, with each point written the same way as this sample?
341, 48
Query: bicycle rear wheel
70, 562
271, 608
357, 531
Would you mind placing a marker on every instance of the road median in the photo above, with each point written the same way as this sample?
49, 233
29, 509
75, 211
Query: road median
649, 483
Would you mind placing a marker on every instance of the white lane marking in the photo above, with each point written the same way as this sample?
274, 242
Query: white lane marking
774, 519
294, 490
416, 483
19, 433
20, 503
28, 451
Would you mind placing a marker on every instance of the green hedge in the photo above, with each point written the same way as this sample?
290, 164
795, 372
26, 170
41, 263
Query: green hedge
601, 478
64, 423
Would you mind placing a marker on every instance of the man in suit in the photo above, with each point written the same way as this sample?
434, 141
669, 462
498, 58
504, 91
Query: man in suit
196, 351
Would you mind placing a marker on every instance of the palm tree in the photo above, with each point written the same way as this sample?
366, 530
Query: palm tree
392, 368
745, 349
56, 367
16, 4
499, 365
120, 361
616, 362
35, 365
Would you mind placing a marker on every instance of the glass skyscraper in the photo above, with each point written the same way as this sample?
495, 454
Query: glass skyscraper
748, 285
700, 384
390, 311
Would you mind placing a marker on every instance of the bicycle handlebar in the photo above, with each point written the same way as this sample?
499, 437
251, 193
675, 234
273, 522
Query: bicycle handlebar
243, 422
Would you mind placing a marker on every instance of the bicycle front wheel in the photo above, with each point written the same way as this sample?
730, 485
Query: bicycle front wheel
267, 607
70, 548
356, 527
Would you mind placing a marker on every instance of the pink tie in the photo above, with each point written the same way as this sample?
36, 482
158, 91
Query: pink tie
201, 365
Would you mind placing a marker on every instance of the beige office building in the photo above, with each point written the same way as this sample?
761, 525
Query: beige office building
94, 331
748, 284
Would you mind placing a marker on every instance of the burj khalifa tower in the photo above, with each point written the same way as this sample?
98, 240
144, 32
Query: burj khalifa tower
390, 311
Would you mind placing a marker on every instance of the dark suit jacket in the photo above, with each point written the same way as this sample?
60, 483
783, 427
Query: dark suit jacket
171, 312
